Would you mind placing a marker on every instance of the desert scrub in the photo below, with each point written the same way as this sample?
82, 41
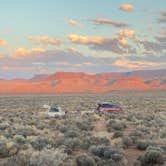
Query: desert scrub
71, 133
92, 140
152, 156
8, 148
115, 125
127, 141
20, 139
69, 143
40, 143
85, 160
4, 125
107, 156
106, 152
26, 131
52, 157
136, 134
117, 134
143, 144
84, 125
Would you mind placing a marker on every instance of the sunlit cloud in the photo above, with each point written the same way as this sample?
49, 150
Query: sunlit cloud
127, 7
105, 21
117, 44
45, 40
85, 39
74, 23
22, 52
127, 33
134, 64
3, 42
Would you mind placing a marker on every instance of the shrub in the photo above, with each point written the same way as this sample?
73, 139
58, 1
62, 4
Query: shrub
117, 134
39, 143
115, 125
71, 133
84, 160
62, 128
25, 131
69, 143
8, 149
152, 156
3, 150
4, 126
143, 144
106, 152
53, 157
20, 139
92, 140
98, 150
127, 141
84, 125
113, 154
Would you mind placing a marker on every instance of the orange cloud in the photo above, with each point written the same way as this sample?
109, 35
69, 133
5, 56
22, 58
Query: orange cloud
85, 39
134, 64
22, 52
74, 23
127, 7
3, 42
45, 40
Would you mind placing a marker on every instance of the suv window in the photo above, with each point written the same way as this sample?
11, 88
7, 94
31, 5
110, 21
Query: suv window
53, 110
106, 105
109, 106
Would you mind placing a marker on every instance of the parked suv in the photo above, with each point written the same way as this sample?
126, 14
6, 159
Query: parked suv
108, 107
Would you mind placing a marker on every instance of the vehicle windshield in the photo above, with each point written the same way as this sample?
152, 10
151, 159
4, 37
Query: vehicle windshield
109, 106
54, 110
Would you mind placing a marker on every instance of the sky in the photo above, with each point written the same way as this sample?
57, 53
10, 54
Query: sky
94, 36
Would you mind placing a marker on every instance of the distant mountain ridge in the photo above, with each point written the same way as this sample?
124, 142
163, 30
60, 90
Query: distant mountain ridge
79, 82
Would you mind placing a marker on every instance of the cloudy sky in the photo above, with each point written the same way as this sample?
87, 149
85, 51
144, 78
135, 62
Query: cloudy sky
46, 36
